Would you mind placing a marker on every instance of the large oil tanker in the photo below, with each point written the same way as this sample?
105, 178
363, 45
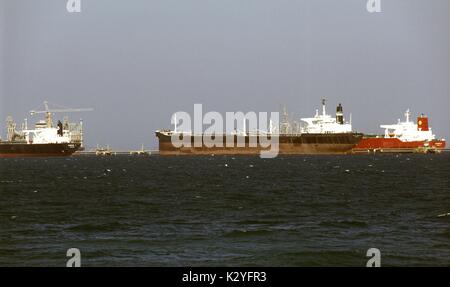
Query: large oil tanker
321, 134
404, 136
44, 139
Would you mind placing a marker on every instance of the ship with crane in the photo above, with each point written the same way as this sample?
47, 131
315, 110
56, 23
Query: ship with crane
45, 138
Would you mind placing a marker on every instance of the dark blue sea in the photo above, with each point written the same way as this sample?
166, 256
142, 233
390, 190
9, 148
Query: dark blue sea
226, 211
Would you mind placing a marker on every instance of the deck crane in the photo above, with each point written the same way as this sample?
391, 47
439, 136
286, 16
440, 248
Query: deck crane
48, 112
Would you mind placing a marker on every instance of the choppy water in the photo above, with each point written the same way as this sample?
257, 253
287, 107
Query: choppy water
225, 211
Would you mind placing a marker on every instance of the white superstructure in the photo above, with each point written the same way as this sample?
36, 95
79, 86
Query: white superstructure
46, 135
319, 124
326, 124
409, 131
45, 132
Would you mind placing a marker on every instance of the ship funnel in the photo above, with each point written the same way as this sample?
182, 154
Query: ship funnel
422, 123
340, 115
324, 112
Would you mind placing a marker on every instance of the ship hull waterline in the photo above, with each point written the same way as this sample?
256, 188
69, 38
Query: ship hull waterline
395, 145
10, 150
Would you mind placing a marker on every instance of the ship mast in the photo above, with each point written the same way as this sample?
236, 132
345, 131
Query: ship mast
407, 115
48, 116
285, 126
11, 127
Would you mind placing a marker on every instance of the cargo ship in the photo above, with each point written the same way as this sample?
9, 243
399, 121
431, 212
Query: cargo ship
405, 136
320, 134
44, 139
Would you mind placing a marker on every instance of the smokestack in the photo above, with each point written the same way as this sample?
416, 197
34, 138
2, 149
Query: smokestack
422, 123
324, 112
340, 115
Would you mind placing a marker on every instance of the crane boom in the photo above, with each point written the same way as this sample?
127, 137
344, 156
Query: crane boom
49, 112
61, 111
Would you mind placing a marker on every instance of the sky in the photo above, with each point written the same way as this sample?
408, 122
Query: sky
137, 62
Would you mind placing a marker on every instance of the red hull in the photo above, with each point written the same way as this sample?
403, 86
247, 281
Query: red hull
393, 144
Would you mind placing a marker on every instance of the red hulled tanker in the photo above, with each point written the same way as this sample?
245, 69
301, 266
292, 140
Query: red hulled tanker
404, 136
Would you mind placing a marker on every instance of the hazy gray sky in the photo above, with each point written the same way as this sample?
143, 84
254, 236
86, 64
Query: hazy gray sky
136, 62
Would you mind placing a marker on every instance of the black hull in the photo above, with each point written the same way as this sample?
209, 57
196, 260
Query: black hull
37, 150
288, 144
